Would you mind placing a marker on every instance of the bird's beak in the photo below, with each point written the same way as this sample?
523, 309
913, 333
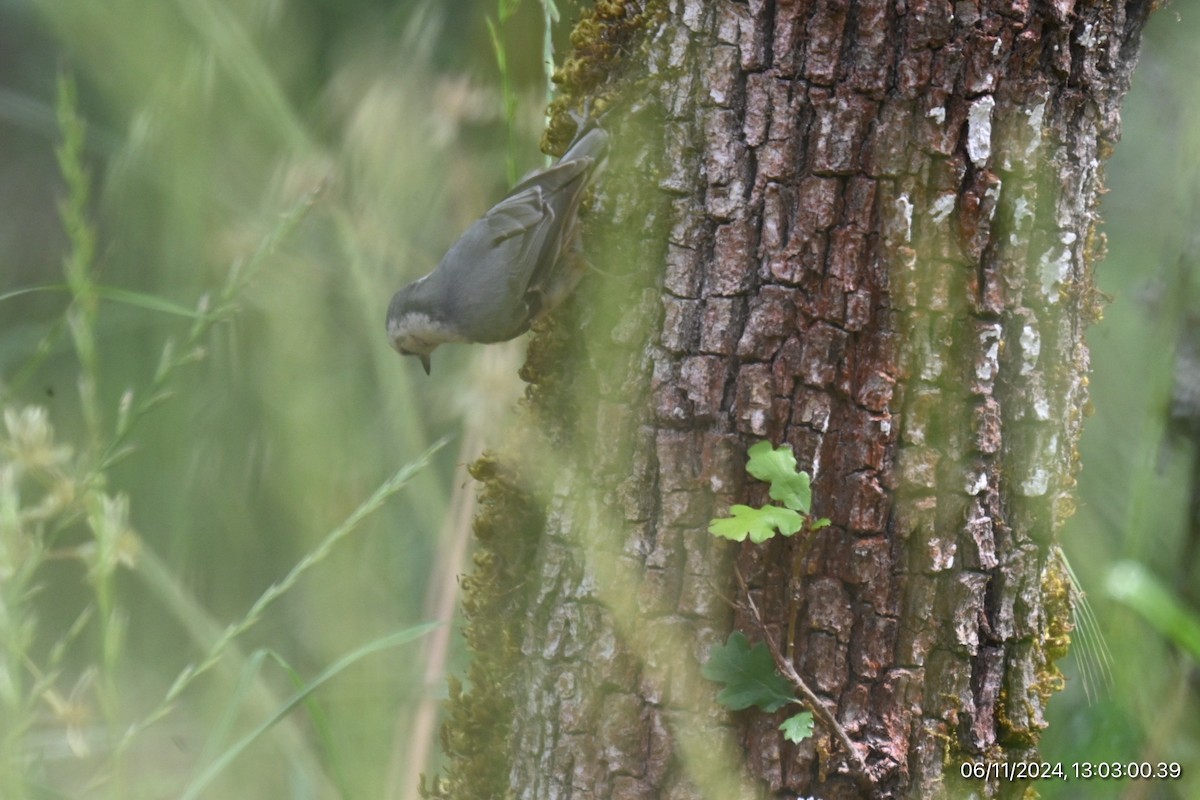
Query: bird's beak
424, 361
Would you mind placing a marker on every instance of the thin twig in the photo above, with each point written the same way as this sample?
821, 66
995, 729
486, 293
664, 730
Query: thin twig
814, 703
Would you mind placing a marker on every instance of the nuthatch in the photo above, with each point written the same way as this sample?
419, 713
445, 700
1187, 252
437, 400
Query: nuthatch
511, 267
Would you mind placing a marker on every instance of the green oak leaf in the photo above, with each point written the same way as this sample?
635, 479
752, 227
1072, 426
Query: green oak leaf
798, 728
760, 524
748, 674
777, 466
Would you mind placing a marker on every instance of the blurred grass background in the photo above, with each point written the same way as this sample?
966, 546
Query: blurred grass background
206, 122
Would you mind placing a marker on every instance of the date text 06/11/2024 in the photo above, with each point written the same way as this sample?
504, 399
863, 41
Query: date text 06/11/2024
1078, 770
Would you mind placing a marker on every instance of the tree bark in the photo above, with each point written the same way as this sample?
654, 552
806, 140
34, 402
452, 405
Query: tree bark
865, 229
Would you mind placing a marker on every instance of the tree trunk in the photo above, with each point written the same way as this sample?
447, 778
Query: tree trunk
865, 229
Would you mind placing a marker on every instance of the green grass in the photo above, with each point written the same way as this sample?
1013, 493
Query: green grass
203, 404
57, 508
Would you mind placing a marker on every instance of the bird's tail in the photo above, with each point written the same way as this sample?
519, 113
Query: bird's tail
590, 142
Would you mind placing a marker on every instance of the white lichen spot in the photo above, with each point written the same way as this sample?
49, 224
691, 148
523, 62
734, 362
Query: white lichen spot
989, 364
976, 484
823, 427
966, 626
1040, 471
885, 426
1088, 37
992, 194
678, 50
937, 114
1041, 407
1036, 115
1022, 210
986, 369
1056, 266
931, 364
1031, 348
941, 554
824, 127
905, 208
942, 207
979, 130
1036, 484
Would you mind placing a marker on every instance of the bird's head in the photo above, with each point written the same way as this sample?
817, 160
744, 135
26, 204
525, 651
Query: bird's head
412, 329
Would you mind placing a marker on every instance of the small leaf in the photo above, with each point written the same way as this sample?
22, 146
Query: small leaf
777, 465
817, 524
748, 674
760, 524
798, 728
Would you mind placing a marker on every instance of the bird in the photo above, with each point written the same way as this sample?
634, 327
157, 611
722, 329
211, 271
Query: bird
511, 267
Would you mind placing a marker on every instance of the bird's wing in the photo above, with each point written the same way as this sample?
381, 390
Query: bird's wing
517, 214
562, 187
554, 178
527, 229
522, 228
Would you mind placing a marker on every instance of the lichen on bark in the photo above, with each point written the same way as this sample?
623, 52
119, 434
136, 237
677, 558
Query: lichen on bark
495, 598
